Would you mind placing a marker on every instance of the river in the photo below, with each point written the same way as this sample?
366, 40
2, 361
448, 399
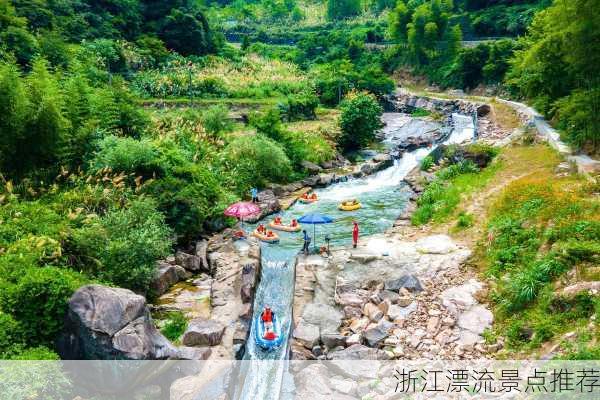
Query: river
383, 197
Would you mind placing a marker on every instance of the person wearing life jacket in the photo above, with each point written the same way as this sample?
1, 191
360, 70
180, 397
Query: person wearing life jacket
305, 196
267, 319
277, 220
313, 196
294, 223
269, 233
355, 234
261, 228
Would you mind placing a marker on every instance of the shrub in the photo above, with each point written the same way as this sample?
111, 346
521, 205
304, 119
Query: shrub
122, 247
215, 120
465, 220
123, 154
255, 160
38, 301
299, 107
175, 326
11, 335
427, 163
420, 112
463, 167
360, 119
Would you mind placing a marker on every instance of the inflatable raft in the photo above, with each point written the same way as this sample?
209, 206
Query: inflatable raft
259, 334
285, 228
265, 238
307, 200
346, 206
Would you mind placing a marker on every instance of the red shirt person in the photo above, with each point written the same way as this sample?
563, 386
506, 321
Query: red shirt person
355, 234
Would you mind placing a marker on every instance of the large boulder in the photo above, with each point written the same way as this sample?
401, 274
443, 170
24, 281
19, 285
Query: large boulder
203, 332
166, 276
409, 282
435, 244
188, 261
310, 167
104, 323
307, 334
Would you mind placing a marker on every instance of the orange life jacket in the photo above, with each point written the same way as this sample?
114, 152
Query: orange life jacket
270, 335
267, 316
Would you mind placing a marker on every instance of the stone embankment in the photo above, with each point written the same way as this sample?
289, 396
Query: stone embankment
391, 298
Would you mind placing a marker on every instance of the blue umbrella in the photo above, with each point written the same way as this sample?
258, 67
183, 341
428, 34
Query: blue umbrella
315, 219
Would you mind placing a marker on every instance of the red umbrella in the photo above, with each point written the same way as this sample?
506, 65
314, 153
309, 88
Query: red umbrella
242, 209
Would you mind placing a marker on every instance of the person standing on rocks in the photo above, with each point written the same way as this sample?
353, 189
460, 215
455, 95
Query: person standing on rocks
254, 194
306, 242
355, 234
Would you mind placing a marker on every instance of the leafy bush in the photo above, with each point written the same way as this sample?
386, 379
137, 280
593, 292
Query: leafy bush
464, 220
121, 247
215, 120
38, 301
255, 160
427, 163
175, 326
299, 107
11, 336
360, 120
420, 112
463, 167
128, 155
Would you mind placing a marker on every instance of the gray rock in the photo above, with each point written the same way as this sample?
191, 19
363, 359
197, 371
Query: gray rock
476, 319
203, 332
352, 312
325, 179
307, 334
358, 352
326, 317
392, 297
105, 323
367, 168
409, 282
188, 261
182, 273
375, 335
333, 340
193, 353
310, 167
201, 248
166, 276
396, 312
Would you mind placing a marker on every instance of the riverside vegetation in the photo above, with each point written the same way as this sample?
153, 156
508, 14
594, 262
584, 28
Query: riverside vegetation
118, 142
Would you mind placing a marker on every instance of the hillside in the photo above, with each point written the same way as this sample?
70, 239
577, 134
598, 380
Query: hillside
128, 126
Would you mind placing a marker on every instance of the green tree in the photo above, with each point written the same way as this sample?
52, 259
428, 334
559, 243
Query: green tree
341, 9
187, 32
399, 17
360, 119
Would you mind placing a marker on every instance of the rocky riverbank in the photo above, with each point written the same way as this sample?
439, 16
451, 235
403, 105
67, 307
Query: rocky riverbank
391, 298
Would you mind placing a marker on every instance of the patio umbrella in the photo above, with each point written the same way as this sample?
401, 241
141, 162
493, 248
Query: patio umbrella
241, 209
315, 219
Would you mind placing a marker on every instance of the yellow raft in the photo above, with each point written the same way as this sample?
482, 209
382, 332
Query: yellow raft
285, 228
348, 206
265, 238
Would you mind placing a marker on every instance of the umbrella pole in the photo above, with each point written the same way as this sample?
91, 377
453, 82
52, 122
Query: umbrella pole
315, 236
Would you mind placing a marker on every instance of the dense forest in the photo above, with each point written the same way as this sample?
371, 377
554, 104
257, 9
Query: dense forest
100, 177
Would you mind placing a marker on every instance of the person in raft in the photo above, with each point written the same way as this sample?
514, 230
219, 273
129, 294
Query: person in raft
267, 319
313, 196
355, 234
277, 220
294, 223
261, 229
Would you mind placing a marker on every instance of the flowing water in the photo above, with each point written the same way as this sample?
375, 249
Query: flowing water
383, 197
